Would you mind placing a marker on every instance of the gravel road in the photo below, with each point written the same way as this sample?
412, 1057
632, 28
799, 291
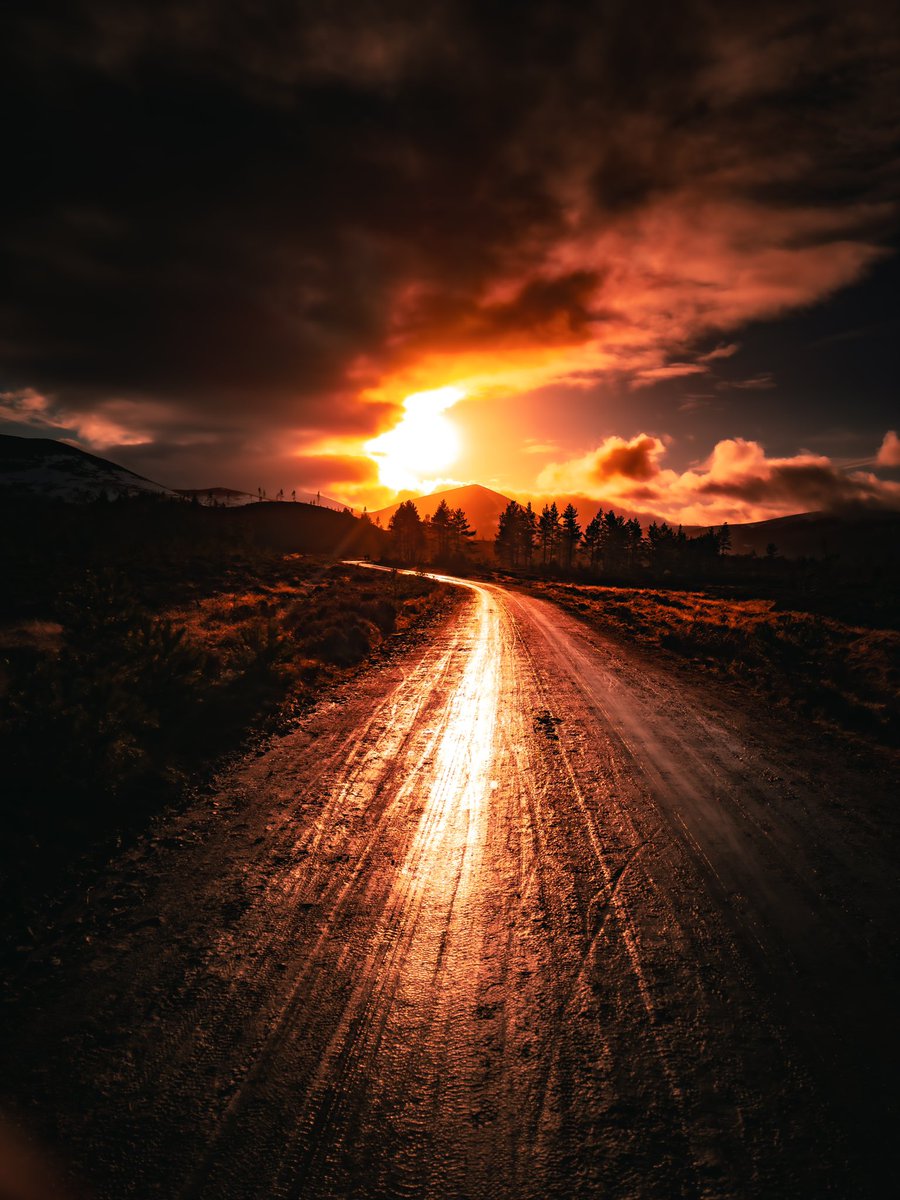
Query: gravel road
519, 914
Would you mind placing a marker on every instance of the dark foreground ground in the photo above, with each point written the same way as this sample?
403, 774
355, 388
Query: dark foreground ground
521, 913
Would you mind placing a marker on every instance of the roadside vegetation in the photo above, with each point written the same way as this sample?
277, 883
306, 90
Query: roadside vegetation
131, 666
840, 675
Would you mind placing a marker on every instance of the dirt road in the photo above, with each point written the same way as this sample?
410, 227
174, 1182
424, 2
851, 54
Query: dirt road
517, 915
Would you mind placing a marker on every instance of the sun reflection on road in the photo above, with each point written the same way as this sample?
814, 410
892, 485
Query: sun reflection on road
442, 861
450, 833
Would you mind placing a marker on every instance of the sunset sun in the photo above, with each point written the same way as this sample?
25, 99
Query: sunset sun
424, 442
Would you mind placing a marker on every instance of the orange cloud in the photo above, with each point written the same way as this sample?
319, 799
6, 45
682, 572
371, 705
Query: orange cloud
637, 459
629, 296
889, 450
26, 406
111, 423
737, 482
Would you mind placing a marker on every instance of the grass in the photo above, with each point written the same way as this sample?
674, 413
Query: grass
840, 675
118, 696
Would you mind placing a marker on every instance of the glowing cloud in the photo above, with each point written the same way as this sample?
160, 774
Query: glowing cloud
889, 451
737, 482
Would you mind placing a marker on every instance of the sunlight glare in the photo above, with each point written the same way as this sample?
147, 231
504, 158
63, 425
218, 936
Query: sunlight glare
424, 442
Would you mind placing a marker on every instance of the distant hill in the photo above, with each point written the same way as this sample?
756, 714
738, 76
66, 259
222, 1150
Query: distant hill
57, 471
481, 505
218, 497
223, 497
854, 536
308, 529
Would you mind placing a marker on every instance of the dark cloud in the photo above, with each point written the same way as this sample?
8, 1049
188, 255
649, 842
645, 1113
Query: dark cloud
247, 213
636, 459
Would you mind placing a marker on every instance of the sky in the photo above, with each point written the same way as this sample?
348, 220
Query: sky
644, 255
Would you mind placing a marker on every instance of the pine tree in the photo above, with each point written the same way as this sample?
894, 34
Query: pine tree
461, 533
441, 530
634, 542
593, 536
570, 533
508, 542
614, 541
407, 534
529, 533
548, 531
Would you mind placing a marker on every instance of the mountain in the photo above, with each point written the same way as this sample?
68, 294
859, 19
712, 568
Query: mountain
41, 466
481, 505
58, 471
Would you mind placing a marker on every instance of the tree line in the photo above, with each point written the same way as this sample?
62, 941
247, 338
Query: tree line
609, 544
444, 537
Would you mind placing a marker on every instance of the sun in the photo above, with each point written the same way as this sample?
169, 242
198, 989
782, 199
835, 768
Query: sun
423, 443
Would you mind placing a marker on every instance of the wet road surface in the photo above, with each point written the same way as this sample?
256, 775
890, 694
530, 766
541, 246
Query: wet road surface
517, 915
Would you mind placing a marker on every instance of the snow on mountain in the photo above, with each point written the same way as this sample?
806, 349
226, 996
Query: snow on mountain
58, 471
41, 466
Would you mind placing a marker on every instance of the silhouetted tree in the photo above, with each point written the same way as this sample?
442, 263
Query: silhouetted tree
634, 543
407, 534
508, 542
613, 541
529, 533
662, 544
461, 533
570, 533
548, 531
440, 526
593, 536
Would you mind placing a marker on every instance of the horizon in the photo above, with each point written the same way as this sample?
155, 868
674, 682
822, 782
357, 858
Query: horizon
585, 506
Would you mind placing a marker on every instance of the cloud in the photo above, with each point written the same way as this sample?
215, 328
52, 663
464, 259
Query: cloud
538, 446
695, 401
646, 376
27, 406
611, 468
757, 383
737, 482
112, 423
889, 451
291, 221
721, 351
